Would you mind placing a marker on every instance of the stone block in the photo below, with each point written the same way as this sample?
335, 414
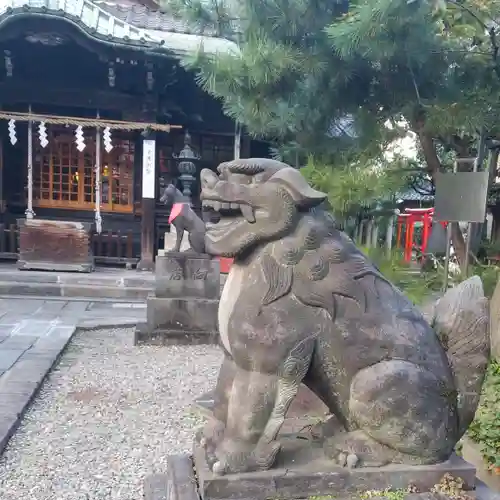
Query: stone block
30, 289
185, 314
8, 424
495, 322
187, 275
485, 493
8, 357
33, 328
6, 330
144, 336
19, 342
302, 471
27, 371
179, 483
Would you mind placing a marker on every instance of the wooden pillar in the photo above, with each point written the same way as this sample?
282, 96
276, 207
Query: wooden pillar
98, 197
29, 211
148, 203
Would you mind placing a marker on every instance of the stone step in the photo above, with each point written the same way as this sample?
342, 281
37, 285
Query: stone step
99, 278
60, 290
100, 285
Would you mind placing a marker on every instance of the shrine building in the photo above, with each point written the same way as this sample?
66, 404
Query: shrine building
97, 113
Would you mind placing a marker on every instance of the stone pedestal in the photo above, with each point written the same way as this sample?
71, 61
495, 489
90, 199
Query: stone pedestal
302, 472
185, 303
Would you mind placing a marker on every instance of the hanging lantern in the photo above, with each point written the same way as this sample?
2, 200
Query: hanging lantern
42, 134
106, 134
12, 132
79, 139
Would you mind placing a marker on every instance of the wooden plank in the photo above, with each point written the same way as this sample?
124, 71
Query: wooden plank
55, 245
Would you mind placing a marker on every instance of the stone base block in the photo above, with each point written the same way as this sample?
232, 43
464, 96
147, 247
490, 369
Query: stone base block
185, 314
145, 336
187, 275
179, 483
304, 480
302, 471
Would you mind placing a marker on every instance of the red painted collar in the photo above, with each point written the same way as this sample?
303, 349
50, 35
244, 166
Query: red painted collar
176, 211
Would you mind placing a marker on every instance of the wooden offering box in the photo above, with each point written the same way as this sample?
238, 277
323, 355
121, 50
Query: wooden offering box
52, 245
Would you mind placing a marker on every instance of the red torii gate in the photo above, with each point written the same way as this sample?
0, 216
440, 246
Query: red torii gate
407, 221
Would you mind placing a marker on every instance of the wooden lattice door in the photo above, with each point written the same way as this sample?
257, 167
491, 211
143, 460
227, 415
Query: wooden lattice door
64, 177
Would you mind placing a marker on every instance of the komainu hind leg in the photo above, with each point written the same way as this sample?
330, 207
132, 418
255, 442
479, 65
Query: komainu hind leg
400, 412
357, 448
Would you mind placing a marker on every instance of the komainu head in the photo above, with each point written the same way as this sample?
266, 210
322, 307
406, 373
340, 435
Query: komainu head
255, 200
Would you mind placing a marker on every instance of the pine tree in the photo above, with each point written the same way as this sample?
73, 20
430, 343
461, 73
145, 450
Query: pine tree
323, 77
286, 82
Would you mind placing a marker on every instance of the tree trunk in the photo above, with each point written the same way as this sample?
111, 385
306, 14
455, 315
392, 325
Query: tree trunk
434, 166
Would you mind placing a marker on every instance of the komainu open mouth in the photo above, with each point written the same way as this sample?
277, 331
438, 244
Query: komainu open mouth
224, 211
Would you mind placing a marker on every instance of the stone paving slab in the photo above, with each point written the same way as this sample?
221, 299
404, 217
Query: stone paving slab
33, 334
20, 383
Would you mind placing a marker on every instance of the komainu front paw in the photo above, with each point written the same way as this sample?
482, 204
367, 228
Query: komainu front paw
355, 449
209, 437
234, 457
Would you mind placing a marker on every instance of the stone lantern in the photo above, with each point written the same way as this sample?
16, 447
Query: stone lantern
187, 166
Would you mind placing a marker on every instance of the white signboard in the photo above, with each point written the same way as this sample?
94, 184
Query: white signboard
148, 168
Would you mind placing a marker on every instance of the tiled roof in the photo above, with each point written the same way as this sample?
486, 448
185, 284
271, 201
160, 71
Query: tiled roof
110, 28
412, 195
143, 17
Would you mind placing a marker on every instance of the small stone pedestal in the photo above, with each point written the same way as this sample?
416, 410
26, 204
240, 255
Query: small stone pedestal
185, 306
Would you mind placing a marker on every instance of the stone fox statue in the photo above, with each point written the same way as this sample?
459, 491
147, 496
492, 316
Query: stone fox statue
303, 305
183, 218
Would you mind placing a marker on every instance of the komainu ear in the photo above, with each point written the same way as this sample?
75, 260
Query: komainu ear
293, 181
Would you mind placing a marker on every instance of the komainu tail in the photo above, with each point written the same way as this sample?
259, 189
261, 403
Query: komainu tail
461, 320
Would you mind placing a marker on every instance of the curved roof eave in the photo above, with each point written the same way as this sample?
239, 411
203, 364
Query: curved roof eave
98, 24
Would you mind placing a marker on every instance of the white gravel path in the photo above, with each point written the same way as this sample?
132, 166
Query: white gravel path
108, 415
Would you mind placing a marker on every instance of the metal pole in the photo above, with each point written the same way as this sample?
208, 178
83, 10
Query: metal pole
29, 210
477, 164
98, 219
448, 244
447, 257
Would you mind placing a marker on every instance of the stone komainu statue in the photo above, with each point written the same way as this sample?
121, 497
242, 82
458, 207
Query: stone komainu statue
303, 304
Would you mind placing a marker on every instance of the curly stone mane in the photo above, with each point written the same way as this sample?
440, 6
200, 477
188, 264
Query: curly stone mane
252, 166
309, 255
